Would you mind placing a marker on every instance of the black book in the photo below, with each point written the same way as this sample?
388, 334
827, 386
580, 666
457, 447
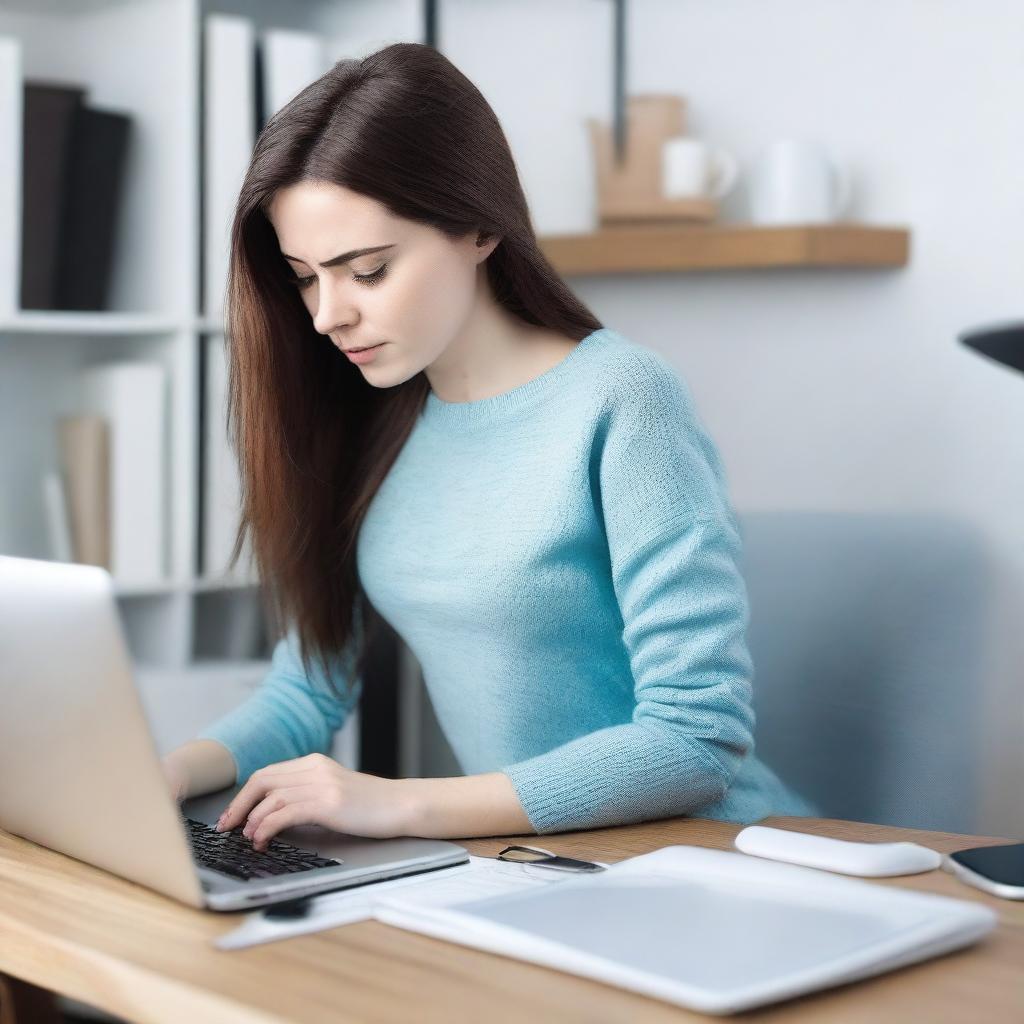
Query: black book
94, 188
47, 126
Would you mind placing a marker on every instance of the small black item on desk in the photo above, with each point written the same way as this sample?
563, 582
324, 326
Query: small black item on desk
289, 910
536, 857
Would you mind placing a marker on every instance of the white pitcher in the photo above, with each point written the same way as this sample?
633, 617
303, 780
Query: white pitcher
795, 181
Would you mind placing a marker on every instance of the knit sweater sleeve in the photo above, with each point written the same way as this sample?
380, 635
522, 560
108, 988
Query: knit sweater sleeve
673, 546
291, 714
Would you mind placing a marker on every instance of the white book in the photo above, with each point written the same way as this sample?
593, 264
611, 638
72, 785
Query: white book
229, 134
132, 396
11, 91
291, 60
221, 485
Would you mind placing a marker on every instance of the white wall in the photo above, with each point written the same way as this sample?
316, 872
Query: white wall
829, 389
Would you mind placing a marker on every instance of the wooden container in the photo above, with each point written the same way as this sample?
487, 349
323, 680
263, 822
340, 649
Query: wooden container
631, 192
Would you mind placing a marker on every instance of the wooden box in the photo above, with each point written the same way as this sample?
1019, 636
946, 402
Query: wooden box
631, 192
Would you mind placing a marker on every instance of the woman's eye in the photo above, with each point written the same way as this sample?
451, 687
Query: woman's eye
367, 279
374, 277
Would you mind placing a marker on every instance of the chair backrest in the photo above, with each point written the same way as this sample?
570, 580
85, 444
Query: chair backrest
868, 636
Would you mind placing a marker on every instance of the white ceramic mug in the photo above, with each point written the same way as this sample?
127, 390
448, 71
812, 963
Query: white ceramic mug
692, 169
795, 181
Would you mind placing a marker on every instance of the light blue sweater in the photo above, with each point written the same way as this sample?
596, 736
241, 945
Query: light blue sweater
562, 559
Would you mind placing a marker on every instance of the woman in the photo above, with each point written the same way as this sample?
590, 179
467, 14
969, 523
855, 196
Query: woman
525, 495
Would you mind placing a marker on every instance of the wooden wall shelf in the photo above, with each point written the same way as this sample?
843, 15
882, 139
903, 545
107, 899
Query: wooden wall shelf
675, 247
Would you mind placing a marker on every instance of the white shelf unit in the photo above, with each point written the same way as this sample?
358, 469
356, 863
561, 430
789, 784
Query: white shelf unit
144, 58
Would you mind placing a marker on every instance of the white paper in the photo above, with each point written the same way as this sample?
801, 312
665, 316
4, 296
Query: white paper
481, 877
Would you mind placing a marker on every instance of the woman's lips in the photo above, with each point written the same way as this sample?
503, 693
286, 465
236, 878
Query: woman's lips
365, 355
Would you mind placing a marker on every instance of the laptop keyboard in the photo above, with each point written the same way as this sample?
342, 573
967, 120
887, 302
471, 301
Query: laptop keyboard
232, 853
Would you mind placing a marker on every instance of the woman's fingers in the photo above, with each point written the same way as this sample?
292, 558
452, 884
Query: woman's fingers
275, 800
304, 812
256, 788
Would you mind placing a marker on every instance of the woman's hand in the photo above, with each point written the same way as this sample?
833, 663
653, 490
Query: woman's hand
316, 790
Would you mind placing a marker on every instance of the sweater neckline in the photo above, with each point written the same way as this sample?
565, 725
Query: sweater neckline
438, 411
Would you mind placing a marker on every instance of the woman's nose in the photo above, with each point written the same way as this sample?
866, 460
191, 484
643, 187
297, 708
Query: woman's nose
334, 309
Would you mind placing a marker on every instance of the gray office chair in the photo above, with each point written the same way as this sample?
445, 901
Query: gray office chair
867, 636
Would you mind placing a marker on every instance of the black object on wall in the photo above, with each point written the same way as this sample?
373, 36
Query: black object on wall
619, 82
431, 23
1002, 342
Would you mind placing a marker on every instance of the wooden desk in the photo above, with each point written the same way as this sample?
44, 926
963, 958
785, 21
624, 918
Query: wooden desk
71, 928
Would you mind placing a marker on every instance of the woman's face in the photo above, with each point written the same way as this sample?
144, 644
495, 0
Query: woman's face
410, 297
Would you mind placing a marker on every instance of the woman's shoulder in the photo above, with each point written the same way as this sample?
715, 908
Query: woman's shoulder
632, 377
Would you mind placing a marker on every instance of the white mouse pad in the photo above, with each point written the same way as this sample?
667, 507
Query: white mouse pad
710, 930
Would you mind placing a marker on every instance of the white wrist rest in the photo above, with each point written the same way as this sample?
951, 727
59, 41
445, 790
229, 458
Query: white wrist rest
850, 858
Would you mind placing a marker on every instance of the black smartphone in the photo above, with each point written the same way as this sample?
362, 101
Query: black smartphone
996, 869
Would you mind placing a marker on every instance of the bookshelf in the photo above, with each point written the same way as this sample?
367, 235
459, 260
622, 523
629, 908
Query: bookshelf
144, 59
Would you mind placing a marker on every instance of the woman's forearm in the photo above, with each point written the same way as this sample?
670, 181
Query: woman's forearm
465, 806
206, 765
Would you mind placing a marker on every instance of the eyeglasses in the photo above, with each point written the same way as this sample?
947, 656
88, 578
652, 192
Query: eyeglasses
537, 857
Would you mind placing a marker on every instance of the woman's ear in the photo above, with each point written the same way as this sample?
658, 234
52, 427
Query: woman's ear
486, 238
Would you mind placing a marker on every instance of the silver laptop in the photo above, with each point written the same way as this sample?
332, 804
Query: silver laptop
80, 771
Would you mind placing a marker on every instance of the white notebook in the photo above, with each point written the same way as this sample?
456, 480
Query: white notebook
229, 135
711, 930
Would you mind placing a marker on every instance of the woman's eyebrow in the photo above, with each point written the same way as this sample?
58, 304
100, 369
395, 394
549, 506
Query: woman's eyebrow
345, 256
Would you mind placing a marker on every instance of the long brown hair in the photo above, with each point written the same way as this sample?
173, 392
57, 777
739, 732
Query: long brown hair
314, 440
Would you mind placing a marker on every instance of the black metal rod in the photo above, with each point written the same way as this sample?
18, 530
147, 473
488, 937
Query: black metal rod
431, 25
619, 86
